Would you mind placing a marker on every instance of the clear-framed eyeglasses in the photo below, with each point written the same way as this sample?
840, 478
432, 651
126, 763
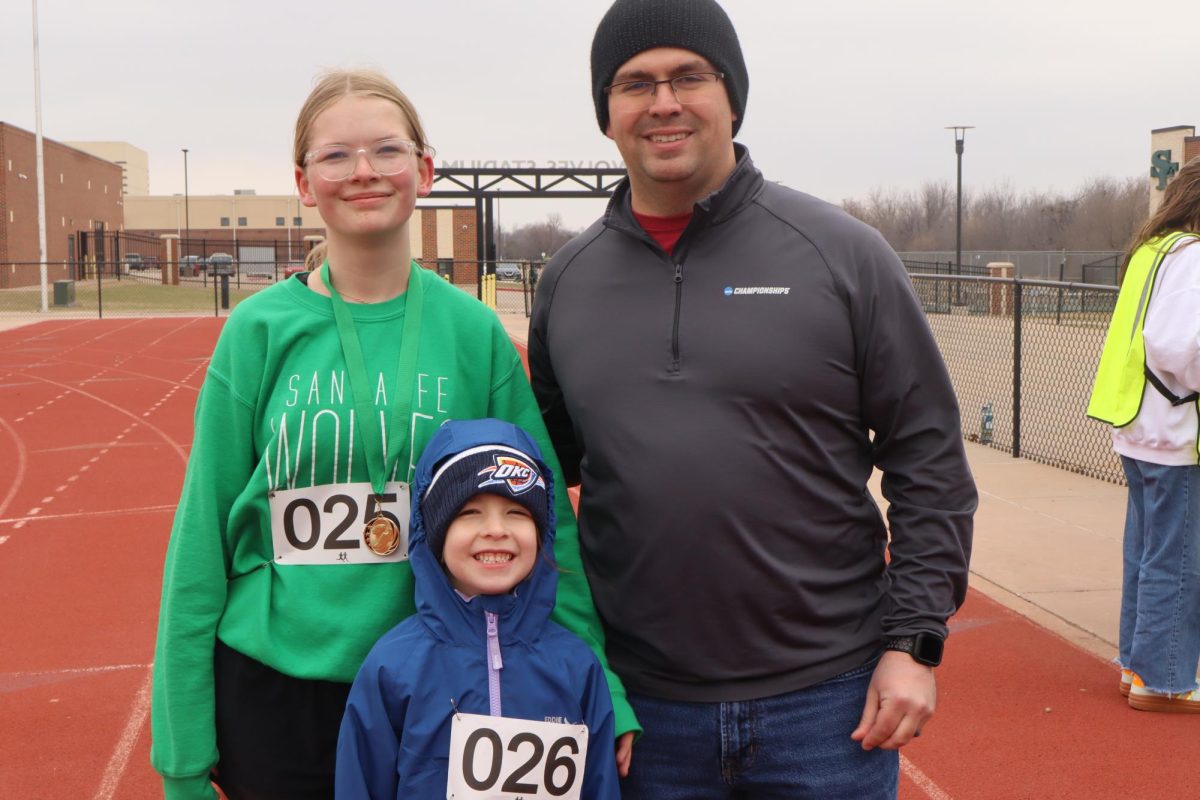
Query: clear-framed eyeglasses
337, 161
695, 87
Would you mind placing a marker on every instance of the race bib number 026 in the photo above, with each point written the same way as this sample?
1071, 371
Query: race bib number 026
338, 523
498, 758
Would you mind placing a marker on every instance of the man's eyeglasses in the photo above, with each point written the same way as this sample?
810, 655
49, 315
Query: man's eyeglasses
691, 88
337, 161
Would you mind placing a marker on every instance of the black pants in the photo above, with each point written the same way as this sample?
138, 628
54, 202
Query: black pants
276, 735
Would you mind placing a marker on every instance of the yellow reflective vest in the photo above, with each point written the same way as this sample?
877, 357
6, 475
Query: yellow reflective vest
1121, 378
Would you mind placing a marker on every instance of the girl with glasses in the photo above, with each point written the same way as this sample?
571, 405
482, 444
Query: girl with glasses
288, 557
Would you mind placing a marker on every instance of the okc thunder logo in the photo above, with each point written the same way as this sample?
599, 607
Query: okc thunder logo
517, 473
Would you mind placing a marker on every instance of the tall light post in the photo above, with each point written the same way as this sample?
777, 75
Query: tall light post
43, 274
960, 135
187, 220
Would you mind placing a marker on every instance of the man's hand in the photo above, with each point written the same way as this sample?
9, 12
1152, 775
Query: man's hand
624, 753
900, 700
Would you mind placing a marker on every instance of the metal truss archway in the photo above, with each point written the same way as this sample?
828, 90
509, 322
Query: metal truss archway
484, 186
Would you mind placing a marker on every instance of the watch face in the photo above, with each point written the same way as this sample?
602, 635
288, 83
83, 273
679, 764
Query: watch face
928, 648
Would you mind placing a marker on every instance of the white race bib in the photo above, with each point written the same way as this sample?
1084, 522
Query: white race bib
500, 758
329, 524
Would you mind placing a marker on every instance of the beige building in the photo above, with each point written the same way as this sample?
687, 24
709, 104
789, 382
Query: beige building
243, 209
134, 163
1170, 149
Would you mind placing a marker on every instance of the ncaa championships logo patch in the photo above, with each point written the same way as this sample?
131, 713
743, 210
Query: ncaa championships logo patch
515, 472
731, 291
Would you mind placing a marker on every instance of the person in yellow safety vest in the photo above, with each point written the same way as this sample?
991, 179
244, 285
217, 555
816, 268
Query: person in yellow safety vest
1148, 388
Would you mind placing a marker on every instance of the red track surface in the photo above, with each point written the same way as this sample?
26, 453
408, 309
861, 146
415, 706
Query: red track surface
95, 426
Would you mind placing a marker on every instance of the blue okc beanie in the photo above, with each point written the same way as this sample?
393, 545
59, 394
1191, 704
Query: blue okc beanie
492, 469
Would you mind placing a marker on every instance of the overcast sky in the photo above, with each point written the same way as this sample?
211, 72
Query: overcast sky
844, 97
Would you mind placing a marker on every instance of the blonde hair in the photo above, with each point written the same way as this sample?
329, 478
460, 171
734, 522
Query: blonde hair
316, 257
1178, 211
334, 85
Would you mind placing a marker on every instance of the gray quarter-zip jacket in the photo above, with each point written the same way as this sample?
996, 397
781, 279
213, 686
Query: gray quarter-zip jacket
724, 407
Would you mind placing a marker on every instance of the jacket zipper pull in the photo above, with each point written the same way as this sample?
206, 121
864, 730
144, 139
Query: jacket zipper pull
493, 640
679, 273
494, 662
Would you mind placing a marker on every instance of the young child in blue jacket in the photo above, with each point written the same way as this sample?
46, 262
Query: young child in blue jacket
479, 694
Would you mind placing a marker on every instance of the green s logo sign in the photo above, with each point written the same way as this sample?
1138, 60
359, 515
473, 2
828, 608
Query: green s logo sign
1162, 167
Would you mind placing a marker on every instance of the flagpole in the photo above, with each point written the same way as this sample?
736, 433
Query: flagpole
41, 167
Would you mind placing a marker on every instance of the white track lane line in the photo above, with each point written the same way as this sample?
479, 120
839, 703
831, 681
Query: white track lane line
120, 755
79, 670
931, 789
20, 475
19, 521
100, 401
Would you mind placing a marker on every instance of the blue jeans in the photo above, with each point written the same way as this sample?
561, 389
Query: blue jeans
792, 746
1160, 593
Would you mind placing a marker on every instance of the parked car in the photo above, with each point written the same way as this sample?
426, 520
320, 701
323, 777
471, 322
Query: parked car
258, 269
133, 261
291, 268
220, 264
508, 272
191, 266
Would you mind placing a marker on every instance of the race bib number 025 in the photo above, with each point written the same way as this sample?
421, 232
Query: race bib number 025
498, 758
338, 523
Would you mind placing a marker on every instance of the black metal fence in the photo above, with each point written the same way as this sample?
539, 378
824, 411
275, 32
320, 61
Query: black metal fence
108, 281
1022, 355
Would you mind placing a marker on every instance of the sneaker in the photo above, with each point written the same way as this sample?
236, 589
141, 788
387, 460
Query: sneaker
1143, 699
1126, 681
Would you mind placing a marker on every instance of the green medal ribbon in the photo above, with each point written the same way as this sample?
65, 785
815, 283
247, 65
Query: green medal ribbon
378, 457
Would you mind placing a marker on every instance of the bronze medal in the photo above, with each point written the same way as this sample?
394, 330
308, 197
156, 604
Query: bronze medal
382, 536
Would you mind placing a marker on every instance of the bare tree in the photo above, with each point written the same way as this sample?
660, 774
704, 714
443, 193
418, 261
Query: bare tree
530, 242
1102, 215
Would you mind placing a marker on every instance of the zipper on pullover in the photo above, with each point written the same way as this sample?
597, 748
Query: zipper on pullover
675, 325
495, 663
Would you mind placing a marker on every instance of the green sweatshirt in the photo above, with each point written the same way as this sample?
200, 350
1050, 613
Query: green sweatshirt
274, 419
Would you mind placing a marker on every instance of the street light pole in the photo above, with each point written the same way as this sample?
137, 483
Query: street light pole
187, 219
960, 135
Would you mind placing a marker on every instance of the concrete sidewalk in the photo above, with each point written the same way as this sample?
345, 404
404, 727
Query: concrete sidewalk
1048, 545
1047, 541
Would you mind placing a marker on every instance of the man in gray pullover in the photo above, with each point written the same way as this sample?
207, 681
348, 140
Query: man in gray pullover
721, 362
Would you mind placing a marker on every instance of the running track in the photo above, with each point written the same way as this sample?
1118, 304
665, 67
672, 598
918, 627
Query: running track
95, 426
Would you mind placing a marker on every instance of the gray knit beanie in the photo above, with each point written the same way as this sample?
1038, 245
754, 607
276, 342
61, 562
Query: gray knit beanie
633, 26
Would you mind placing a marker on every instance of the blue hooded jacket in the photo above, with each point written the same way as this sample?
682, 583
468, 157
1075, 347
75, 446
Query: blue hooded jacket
395, 735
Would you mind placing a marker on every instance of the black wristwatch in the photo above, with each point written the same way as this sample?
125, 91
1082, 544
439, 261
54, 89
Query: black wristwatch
925, 648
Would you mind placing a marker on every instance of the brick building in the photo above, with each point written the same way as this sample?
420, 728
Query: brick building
81, 192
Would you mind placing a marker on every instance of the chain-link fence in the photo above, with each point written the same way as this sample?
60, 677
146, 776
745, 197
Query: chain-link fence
1052, 265
1022, 355
505, 285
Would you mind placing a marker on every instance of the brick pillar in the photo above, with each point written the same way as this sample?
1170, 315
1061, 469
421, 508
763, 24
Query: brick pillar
170, 265
1000, 303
